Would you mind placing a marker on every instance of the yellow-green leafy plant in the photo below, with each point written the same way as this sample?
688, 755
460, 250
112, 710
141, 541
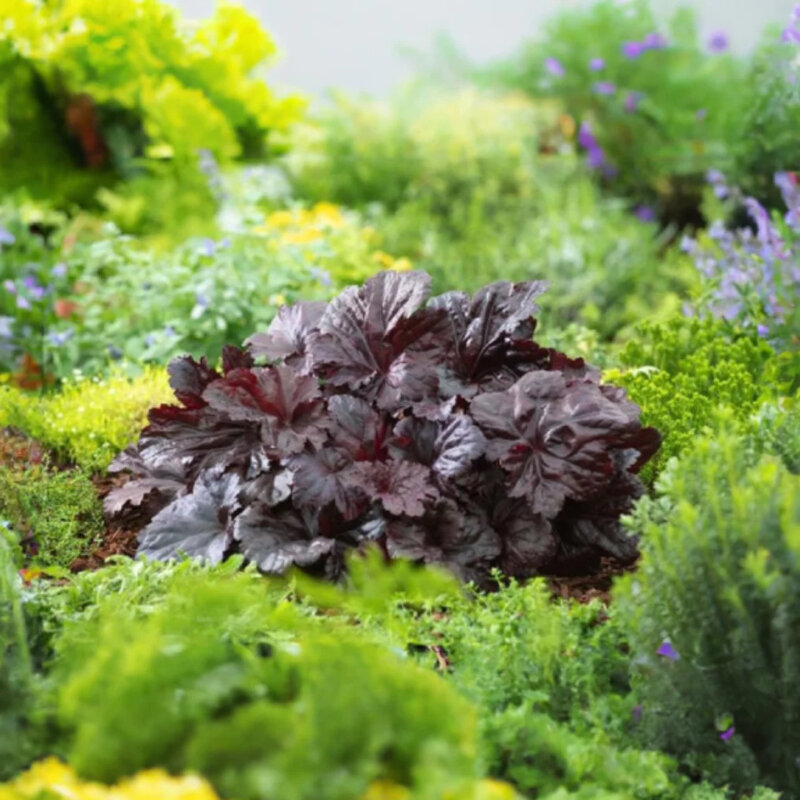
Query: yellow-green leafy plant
93, 92
88, 420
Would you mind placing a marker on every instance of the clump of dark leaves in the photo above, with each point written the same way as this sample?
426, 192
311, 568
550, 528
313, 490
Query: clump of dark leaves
434, 428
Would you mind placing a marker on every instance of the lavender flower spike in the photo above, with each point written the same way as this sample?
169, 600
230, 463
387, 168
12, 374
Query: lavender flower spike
668, 651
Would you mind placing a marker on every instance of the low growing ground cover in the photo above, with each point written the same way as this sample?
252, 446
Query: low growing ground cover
447, 449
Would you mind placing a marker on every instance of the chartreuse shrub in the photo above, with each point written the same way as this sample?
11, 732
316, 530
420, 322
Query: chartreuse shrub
224, 678
713, 616
56, 513
435, 427
683, 371
79, 111
88, 420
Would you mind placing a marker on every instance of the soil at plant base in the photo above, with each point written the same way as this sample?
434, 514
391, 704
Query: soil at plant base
583, 580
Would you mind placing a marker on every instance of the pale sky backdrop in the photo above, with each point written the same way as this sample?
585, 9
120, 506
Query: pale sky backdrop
356, 44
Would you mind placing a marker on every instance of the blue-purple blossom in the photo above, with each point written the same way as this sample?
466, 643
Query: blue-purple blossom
169, 331
605, 88
586, 138
29, 282
788, 184
59, 270
762, 330
60, 338
791, 33
6, 237
718, 42
668, 651
5, 327
632, 49
321, 275
636, 713
632, 100
554, 67
701, 114
208, 247
10, 286
727, 734
23, 303
597, 64
114, 352
645, 213
595, 157
654, 41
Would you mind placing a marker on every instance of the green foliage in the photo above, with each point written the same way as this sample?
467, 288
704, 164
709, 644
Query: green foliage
56, 513
93, 93
222, 678
719, 580
15, 662
87, 421
684, 371
680, 123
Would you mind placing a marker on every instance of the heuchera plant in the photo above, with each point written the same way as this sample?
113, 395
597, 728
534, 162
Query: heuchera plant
434, 428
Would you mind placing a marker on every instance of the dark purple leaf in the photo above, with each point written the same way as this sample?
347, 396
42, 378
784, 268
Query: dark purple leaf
189, 378
357, 428
402, 487
326, 477
276, 539
529, 544
199, 524
287, 336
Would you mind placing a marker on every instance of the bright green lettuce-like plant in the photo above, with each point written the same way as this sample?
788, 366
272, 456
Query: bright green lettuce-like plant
683, 371
712, 613
94, 92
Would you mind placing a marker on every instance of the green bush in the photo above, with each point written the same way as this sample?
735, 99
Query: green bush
221, 678
683, 371
719, 581
651, 99
55, 513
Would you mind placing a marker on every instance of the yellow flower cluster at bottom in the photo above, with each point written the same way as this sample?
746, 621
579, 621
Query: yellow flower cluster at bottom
487, 789
56, 781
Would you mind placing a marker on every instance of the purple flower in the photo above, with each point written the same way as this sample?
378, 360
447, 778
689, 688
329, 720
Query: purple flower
596, 64
718, 42
29, 282
763, 331
605, 87
668, 651
169, 331
636, 713
725, 735
60, 338
554, 67
149, 340
6, 237
10, 286
38, 292
632, 49
701, 114
201, 300
208, 248
595, 157
632, 100
23, 303
791, 32
645, 213
655, 41
59, 270
114, 352
586, 137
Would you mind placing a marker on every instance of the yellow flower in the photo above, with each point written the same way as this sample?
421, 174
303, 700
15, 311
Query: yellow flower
303, 236
277, 299
59, 782
280, 219
384, 259
386, 790
329, 214
402, 265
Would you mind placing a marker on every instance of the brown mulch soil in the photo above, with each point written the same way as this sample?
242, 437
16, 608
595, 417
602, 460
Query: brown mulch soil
594, 586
